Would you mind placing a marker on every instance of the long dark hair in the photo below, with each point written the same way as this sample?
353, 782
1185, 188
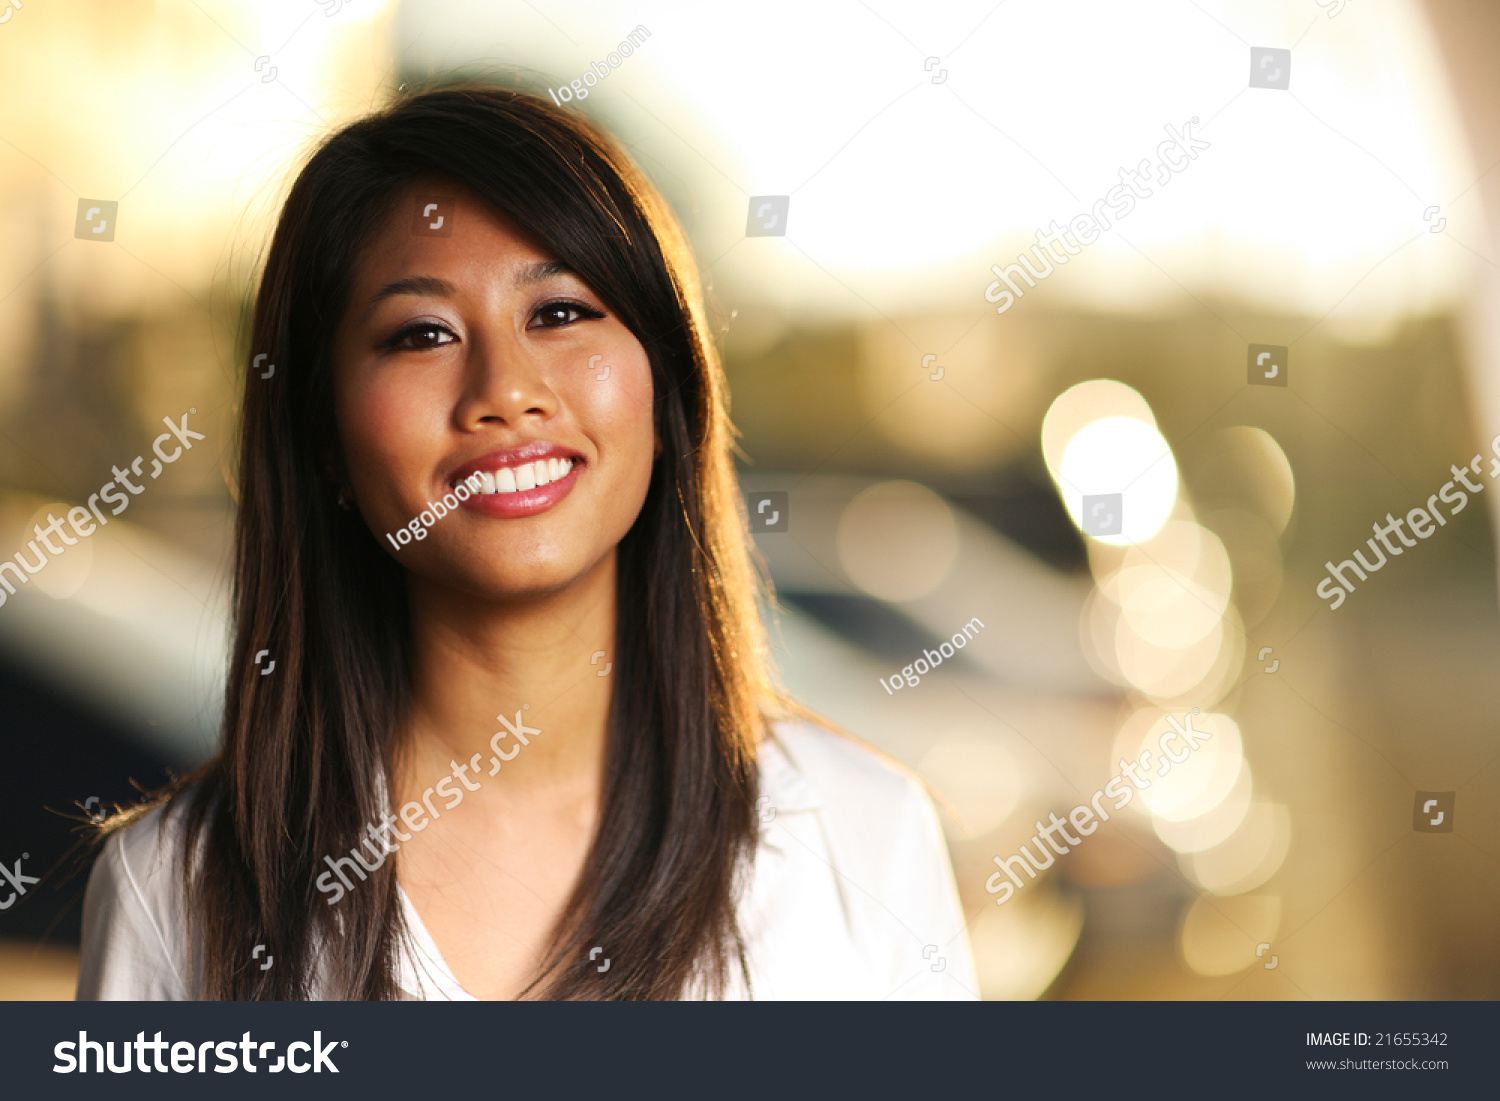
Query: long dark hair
298, 774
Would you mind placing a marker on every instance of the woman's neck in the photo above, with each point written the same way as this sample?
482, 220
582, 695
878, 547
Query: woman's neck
524, 686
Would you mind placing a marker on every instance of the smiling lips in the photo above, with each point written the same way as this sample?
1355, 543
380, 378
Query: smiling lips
519, 481
525, 476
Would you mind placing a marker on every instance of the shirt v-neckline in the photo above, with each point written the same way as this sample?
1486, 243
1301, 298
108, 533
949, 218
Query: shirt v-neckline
422, 961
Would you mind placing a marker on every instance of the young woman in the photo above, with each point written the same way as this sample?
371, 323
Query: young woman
519, 740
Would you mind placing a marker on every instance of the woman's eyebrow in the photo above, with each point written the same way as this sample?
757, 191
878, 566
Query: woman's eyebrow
540, 270
532, 273
412, 284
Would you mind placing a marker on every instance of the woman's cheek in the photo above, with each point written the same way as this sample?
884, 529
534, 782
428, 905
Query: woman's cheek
634, 423
616, 414
388, 436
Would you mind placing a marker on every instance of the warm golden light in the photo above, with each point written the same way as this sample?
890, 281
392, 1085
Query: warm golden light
1220, 936
1248, 857
977, 777
1125, 456
897, 540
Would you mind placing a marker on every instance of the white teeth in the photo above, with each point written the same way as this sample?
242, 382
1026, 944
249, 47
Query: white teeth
526, 476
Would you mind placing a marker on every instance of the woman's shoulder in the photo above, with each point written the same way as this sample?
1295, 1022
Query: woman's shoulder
134, 921
150, 844
823, 764
878, 806
862, 824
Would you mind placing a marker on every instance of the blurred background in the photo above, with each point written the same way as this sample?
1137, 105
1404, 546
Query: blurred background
925, 457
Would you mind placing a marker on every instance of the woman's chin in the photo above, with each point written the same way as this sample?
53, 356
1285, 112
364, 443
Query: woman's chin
497, 578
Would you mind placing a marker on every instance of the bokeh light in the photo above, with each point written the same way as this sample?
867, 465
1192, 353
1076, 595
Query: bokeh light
1125, 456
1248, 857
897, 540
1220, 936
977, 777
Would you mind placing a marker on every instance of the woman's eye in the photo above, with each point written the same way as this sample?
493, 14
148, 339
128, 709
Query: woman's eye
419, 337
555, 315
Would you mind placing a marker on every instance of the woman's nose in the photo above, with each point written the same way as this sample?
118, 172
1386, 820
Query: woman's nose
505, 383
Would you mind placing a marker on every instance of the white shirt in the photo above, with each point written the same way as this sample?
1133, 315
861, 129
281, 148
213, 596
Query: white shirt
851, 895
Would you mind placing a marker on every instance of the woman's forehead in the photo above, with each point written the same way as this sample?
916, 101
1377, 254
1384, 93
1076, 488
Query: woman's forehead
449, 233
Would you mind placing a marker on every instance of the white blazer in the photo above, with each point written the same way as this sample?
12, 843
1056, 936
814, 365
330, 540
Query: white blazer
851, 895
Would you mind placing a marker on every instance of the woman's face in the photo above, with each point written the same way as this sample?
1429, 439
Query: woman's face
466, 354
